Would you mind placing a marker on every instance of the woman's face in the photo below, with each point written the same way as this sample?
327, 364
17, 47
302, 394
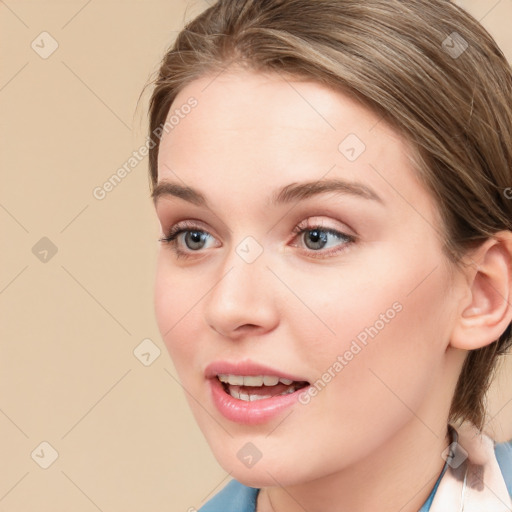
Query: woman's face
344, 288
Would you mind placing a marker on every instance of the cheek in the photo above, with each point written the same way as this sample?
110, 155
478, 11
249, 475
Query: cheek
389, 364
379, 331
177, 308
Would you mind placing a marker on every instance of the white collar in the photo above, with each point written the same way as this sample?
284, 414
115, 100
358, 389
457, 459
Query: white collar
473, 481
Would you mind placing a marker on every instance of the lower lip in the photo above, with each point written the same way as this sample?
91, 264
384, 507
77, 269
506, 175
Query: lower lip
250, 413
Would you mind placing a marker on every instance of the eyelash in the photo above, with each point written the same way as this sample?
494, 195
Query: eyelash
187, 226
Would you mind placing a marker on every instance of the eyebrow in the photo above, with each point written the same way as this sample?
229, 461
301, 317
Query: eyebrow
287, 194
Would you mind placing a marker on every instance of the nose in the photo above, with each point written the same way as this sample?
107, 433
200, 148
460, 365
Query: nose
243, 299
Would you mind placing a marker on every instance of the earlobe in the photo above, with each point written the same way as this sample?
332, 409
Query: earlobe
489, 279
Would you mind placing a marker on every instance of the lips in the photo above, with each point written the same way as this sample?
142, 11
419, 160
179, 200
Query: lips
241, 394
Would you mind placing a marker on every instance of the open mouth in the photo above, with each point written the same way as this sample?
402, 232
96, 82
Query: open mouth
252, 388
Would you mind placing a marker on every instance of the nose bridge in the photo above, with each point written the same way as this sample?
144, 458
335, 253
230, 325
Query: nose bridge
242, 294
244, 266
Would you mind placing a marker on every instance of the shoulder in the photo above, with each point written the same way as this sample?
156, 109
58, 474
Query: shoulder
503, 453
234, 497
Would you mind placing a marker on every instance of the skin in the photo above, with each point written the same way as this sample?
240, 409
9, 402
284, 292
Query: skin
382, 419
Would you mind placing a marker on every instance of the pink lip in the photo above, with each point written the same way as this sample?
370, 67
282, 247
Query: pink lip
246, 368
248, 413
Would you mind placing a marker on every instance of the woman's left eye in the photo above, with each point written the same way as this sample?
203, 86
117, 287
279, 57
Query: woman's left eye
315, 238
318, 238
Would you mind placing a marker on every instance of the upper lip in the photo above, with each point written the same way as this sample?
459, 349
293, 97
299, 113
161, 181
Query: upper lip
247, 367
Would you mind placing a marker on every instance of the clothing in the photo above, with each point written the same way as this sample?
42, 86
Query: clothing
480, 479
485, 466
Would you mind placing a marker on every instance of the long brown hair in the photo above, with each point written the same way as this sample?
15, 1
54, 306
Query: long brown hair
426, 66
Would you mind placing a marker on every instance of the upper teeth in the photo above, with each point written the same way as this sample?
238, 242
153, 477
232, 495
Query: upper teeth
259, 380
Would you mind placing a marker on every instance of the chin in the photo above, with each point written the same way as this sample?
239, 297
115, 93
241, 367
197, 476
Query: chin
262, 477
276, 470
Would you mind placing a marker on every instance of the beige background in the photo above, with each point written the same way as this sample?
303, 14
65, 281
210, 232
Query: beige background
69, 325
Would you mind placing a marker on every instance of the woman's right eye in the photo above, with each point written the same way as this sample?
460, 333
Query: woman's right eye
192, 238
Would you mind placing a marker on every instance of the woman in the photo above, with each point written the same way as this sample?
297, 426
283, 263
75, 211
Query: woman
334, 281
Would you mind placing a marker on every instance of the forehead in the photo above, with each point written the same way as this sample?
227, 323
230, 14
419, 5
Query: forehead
255, 130
261, 106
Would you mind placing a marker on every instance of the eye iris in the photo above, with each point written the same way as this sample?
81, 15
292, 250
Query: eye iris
316, 236
195, 237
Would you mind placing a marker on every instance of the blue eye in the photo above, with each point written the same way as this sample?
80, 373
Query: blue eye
316, 238
188, 234
194, 240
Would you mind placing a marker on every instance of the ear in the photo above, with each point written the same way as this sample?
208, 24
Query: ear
486, 310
